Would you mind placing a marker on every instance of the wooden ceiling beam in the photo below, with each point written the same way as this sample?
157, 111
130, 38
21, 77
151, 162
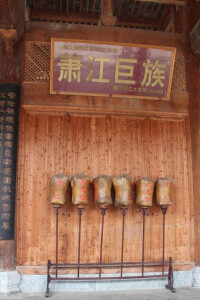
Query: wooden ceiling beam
8, 34
74, 5
81, 6
139, 9
145, 10
158, 10
173, 2
107, 17
169, 26
127, 7
17, 15
132, 9
195, 38
67, 6
44, 31
120, 8
139, 22
48, 15
152, 9
114, 4
166, 22
34, 4
87, 6
93, 7
54, 5
94, 19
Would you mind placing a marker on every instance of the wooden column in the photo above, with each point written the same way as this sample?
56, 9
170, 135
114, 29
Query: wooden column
10, 79
194, 75
194, 86
13, 11
107, 17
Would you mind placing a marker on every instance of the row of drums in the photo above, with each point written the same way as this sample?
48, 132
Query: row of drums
102, 190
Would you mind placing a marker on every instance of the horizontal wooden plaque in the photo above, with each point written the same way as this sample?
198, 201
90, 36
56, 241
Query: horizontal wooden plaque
108, 69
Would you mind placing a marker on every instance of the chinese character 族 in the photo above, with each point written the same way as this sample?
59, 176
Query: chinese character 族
70, 68
153, 73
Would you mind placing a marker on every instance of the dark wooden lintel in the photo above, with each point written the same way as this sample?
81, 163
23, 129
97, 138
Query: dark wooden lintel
17, 15
44, 31
195, 38
139, 21
63, 17
8, 33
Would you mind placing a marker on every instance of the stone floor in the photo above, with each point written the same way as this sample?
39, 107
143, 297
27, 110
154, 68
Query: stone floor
186, 293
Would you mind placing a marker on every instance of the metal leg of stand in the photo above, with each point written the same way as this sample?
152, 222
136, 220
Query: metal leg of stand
80, 212
164, 210
123, 213
170, 277
57, 213
144, 211
57, 208
103, 213
48, 278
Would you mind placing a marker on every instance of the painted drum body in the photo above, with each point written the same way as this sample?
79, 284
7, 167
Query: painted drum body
58, 193
145, 187
122, 185
80, 189
102, 190
163, 191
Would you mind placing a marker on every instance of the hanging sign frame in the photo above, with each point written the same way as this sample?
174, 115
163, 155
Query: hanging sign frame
92, 68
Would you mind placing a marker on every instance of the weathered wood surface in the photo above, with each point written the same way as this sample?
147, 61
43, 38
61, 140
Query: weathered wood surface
43, 102
37, 270
38, 31
194, 90
195, 134
104, 144
7, 255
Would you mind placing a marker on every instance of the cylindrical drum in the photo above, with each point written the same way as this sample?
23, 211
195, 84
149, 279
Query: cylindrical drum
80, 189
102, 190
122, 185
58, 191
145, 187
163, 191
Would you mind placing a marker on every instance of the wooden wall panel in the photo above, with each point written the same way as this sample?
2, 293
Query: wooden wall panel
100, 144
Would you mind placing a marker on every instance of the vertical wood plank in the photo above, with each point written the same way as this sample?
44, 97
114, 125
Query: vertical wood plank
71, 144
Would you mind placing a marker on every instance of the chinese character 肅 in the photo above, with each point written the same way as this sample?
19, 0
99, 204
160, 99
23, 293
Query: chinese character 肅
70, 68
